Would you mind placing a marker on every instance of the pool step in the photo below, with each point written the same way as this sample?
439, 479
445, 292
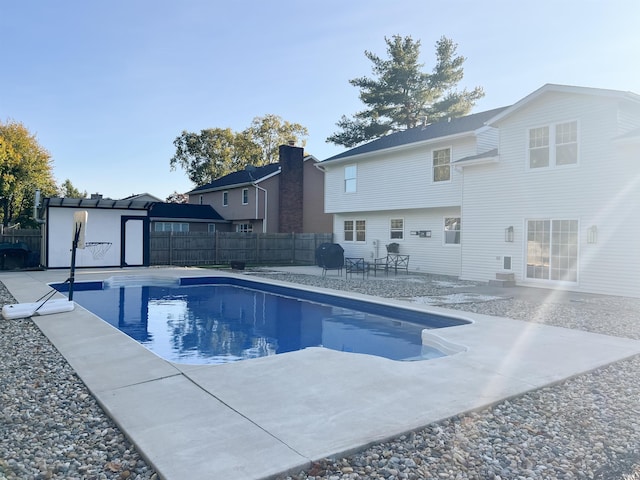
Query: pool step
503, 280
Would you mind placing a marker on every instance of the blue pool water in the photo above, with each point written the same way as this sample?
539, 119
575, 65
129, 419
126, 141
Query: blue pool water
219, 320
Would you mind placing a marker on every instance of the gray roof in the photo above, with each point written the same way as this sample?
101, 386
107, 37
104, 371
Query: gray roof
443, 128
480, 156
187, 211
247, 176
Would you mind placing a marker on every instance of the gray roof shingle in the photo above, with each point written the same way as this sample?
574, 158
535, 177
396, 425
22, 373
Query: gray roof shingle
443, 128
240, 177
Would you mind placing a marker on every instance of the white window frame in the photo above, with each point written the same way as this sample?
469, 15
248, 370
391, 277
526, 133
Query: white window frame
244, 228
357, 232
445, 231
350, 178
171, 227
434, 166
245, 196
211, 228
397, 229
552, 146
225, 198
201, 200
557, 252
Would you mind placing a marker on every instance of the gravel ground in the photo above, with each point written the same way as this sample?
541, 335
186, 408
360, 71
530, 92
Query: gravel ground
587, 427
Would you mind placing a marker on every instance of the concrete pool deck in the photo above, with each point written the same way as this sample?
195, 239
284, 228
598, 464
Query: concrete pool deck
257, 418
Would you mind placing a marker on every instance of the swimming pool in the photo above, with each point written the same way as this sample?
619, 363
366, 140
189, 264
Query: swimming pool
212, 320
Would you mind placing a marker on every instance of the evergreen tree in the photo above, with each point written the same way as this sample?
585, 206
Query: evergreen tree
401, 95
68, 190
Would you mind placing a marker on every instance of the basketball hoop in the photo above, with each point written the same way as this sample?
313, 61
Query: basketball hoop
98, 249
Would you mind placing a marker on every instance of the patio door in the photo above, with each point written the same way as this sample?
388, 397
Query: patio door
552, 250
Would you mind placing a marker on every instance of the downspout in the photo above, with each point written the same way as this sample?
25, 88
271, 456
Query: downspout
264, 221
36, 204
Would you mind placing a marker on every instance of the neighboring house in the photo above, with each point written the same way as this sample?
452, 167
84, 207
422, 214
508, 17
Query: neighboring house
283, 197
184, 217
546, 190
147, 197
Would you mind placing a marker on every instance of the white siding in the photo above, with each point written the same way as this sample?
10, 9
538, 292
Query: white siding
103, 225
427, 255
402, 180
601, 190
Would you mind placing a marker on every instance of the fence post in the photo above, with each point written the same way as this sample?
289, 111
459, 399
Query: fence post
171, 247
293, 247
215, 246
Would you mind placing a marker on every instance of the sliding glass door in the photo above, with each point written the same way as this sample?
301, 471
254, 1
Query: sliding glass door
552, 250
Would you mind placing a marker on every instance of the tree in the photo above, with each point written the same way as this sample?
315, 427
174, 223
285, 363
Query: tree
402, 96
215, 152
25, 166
68, 190
176, 197
269, 132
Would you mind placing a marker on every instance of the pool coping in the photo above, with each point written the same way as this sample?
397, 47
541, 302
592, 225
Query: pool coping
267, 416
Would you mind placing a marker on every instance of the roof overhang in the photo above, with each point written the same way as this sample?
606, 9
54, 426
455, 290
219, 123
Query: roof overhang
568, 89
234, 185
485, 158
103, 203
398, 148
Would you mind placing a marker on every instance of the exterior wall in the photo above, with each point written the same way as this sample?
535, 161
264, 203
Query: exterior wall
103, 225
427, 255
601, 190
401, 180
239, 213
314, 220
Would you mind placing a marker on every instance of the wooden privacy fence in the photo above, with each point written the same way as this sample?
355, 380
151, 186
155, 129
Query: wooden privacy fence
31, 237
192, 248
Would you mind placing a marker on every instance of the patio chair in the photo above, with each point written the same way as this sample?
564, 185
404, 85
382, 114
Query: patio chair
355, 265
392, 261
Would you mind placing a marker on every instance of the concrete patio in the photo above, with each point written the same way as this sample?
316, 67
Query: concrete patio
258, 418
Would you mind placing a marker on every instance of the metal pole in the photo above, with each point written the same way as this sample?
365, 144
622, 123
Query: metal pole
74, 246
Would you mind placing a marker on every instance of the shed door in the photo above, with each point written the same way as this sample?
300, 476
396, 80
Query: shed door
132, 242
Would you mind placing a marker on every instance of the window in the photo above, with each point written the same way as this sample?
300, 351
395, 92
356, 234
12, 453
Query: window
244, 228
397, 229
442, 165
211, 228
539, 147
245, 196
564, 138
361, 231
348, 230
201, 200
171, 227
350, 176
552, 250
567, 143
225, 199
355, 230
452, 231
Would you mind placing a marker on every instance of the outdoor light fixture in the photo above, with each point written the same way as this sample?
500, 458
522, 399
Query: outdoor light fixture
508, 234
592, 234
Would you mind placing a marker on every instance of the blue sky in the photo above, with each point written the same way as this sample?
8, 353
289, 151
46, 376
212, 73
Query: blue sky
107, 86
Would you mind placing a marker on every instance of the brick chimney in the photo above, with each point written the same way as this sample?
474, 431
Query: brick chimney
291, 194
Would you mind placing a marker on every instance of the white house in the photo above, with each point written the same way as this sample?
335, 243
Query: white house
546, 190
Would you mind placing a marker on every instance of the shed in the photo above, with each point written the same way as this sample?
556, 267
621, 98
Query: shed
117, 232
